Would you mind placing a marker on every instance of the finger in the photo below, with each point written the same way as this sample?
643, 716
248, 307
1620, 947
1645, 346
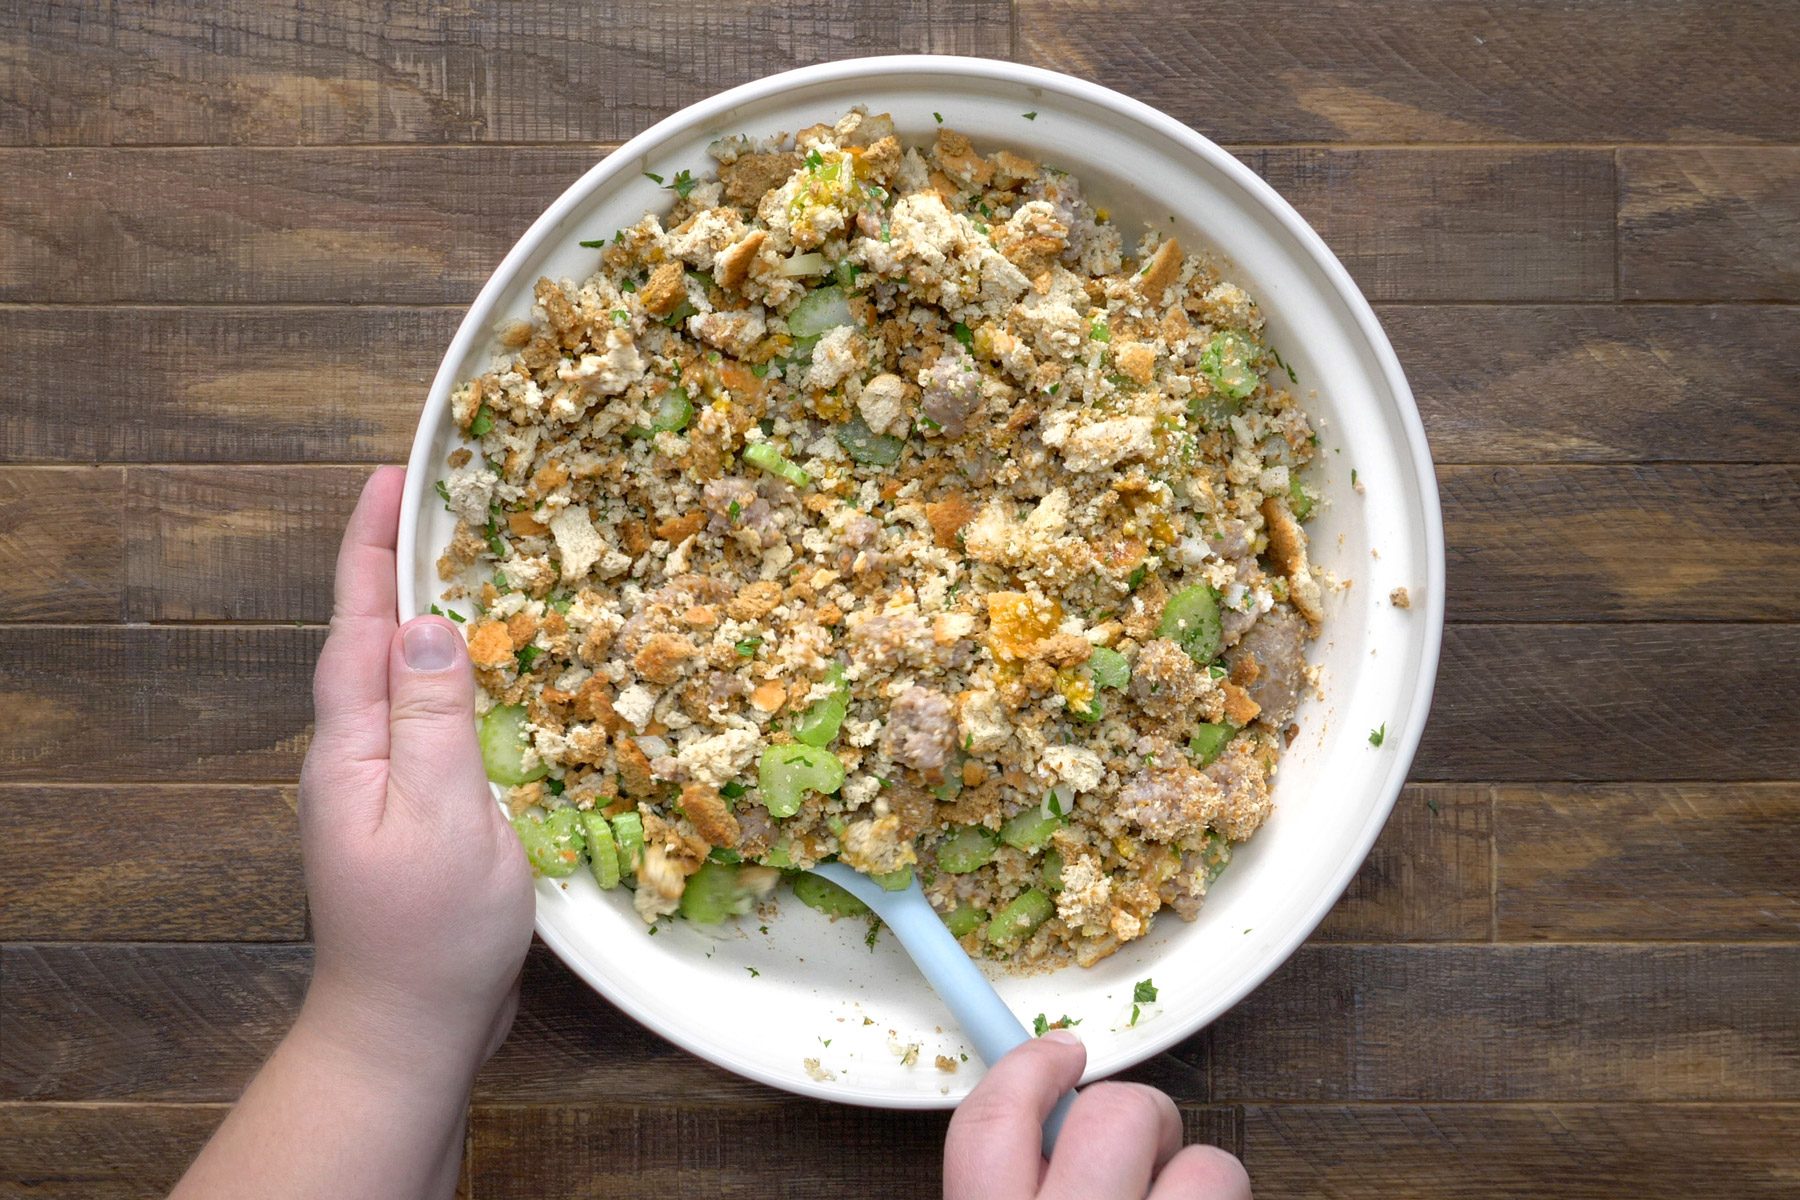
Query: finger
992, 1150
434, 761
1115, 1137
1202, 1173
350, 685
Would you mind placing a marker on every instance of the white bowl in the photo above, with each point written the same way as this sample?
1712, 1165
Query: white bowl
762, 1004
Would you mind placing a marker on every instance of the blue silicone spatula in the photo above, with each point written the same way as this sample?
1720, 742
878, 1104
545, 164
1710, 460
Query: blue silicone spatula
965, 991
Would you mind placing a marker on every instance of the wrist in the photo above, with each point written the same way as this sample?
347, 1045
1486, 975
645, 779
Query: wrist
389, 1043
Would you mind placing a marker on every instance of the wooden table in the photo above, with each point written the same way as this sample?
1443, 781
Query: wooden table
235, 238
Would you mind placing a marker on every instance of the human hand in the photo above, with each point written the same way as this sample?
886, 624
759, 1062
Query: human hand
1121, 1141
421, 899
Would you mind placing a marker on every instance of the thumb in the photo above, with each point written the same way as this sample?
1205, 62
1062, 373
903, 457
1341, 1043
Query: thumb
434, 761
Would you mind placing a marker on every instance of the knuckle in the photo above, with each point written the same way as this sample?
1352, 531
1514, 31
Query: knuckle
1127, 1104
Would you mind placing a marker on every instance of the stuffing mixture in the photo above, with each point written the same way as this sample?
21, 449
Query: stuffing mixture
878, 502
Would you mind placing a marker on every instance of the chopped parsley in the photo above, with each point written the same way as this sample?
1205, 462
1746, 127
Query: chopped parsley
1133, 580
526, 657
747, 647
684, 183
628, 284
754, 973
653, 177
482, 423
620, 314
733, 790
874, 934
452, 614
443, 492
1352, 476
594, 243
1040, 1026
1276, 354
814, 160
1378, 736
1144, 993
1100, 333
938, 117
497, 548
928, 423
1030, 116
760, 370
733, 511
554, 786
963, 334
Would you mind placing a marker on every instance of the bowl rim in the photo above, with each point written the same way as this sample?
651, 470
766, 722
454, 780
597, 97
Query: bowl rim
476, 326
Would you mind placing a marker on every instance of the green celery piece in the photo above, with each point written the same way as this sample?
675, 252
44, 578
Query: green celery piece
866, 446
1029, 829
816, 891
1111, 669
602, 850
964, 920
1209, 740
1020, 919
1191, 621
712, 894
628, 835
819, 724
1229, 363
768, 458
554, 844
967, 849
502, 738
786, 773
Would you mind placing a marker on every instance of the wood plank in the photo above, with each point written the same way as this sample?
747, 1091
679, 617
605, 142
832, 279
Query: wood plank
816, 1151
1600, 383
1635, 384
239, 72
427, 225
421, 225
1553, 543
1514, 702
1618, 862
235, 543
1654, 543
219, 384
212, 704
1541, 1023
1457, 225
177, 864
192, 1023
60, 550
1429, 877
100, 1151
1294, 70
1514, 1152
1710, 224
1614, 703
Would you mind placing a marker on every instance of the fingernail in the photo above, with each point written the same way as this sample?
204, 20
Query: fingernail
429, 646
1062, 1037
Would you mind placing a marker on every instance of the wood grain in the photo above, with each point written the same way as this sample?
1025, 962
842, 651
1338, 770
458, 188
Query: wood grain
174, 864
538, 70
1515, 1152
1643, 383
100, 1151
1544, 1023
1550, 543
1709, 224
235, 543
60, 549
1400, 71
422, 225
1615, 862
1654, 543
1599, 383
1614, 703
804, 1150
426, 225
84, 704
219, 384
1430, 875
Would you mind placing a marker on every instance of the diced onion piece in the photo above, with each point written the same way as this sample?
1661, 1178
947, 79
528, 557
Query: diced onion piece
810, 263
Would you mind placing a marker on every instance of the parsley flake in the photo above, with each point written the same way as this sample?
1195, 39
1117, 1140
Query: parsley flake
594, 243
963, 334
938, 117
1040, 1025
526, 657
653, 176
482, 423
754, 973
1030, 116
747, 647
684, 183
1378, 736
1100, 333
1144, 993
443, 494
